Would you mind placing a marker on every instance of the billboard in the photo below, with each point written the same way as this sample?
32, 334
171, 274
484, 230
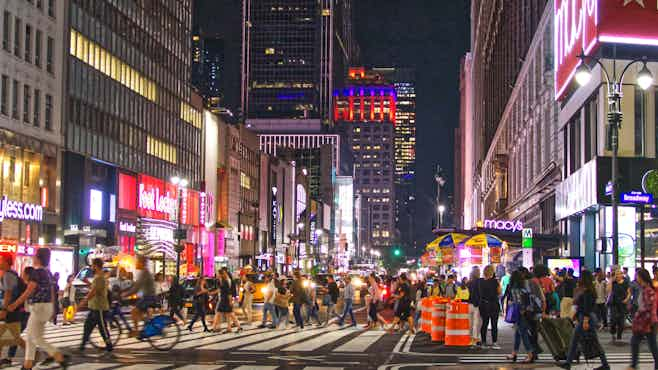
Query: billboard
582, 25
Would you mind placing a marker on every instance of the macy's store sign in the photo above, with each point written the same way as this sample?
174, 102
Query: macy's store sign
503, 225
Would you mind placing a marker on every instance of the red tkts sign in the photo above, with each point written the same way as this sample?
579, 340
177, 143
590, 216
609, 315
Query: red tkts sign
582, 25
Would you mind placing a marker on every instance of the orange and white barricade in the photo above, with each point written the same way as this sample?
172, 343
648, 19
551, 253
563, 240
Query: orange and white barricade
458, 326
426, 315
438, 319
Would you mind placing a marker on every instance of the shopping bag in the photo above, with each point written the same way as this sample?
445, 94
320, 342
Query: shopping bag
513, 313
69, 313
10, 334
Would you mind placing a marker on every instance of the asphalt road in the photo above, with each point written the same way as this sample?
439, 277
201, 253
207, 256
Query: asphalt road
331, 348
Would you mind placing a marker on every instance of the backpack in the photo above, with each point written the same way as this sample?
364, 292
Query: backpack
20, 286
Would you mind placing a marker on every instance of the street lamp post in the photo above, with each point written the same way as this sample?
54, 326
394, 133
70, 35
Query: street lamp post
442, 209
181, 183
614, 88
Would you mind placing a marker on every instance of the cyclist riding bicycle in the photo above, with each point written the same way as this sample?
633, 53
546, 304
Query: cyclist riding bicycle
145, 286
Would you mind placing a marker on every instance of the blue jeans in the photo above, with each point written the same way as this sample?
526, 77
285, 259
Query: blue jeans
522, 333
269, 307
312, 313
578, 334
297, 313
636, 339
346, 310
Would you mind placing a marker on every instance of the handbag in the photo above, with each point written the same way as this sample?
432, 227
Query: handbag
513, 313
590, 346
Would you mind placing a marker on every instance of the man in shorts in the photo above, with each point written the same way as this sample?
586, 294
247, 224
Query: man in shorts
145, 286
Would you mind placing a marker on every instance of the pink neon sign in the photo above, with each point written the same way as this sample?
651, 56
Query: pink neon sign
582, 25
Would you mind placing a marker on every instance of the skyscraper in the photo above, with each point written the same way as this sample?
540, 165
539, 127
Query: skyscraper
208, 69
404, 82
365, 111
289, 59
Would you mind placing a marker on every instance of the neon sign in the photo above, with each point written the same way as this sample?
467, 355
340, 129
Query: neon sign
581, 25
127, 227
12, 247
505, 225
16, 210
575, 30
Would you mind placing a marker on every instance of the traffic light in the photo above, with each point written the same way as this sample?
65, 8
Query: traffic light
397, 252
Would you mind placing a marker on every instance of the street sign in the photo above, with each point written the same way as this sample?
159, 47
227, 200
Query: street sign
608, 188
526, 238
636, 197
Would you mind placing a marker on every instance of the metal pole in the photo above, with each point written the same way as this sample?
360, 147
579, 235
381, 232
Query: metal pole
178, 236
642, 243
614, 119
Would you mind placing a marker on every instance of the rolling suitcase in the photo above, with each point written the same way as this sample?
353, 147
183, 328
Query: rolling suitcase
557, 334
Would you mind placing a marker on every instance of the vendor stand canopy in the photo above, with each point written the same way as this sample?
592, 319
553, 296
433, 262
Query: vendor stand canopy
440, 250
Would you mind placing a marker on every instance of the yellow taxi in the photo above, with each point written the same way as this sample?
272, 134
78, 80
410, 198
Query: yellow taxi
260, 286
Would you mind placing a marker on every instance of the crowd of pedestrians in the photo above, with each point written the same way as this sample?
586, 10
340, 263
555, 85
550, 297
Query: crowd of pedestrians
595, 301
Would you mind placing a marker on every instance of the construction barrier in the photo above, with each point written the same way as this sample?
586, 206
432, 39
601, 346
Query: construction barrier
458, 327
439, 319
426, 315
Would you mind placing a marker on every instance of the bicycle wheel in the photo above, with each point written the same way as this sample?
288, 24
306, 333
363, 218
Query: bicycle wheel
113, 328
166, 334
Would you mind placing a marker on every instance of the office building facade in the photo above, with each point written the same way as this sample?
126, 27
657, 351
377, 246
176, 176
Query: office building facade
288, 62
129, 110
365, 110
31, 77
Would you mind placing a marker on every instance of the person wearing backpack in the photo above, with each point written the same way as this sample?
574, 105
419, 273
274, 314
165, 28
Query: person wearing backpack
11, 287
516, 296
586, 324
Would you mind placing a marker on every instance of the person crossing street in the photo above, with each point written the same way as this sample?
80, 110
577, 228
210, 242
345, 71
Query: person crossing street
97, 302
348, 301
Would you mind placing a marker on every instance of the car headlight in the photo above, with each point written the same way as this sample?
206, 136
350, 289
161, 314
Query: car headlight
305, 283
264, 290
312, 285
357, 282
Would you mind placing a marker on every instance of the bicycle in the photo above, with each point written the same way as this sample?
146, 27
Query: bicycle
161, 332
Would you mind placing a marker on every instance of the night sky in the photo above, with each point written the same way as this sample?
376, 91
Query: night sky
431, 36
428, 35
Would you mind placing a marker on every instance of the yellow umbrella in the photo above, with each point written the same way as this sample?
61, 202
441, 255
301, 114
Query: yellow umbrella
482, 241
447, 240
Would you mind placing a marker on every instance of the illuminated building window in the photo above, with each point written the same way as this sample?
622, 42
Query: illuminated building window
102, 60
190, 115
356, 147
375, 234
160, 149
269, 51
245, 182
385, 234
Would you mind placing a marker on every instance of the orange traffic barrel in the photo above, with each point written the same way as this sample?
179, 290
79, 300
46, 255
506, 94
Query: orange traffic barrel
426, 315
458, 326
438, 319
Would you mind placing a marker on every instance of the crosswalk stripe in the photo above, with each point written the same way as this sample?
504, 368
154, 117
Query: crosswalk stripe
362, 342
256, 367
282, 341
322, 368
242, 341
210, 339
145, 367
93, 366
320, 341
200, 367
